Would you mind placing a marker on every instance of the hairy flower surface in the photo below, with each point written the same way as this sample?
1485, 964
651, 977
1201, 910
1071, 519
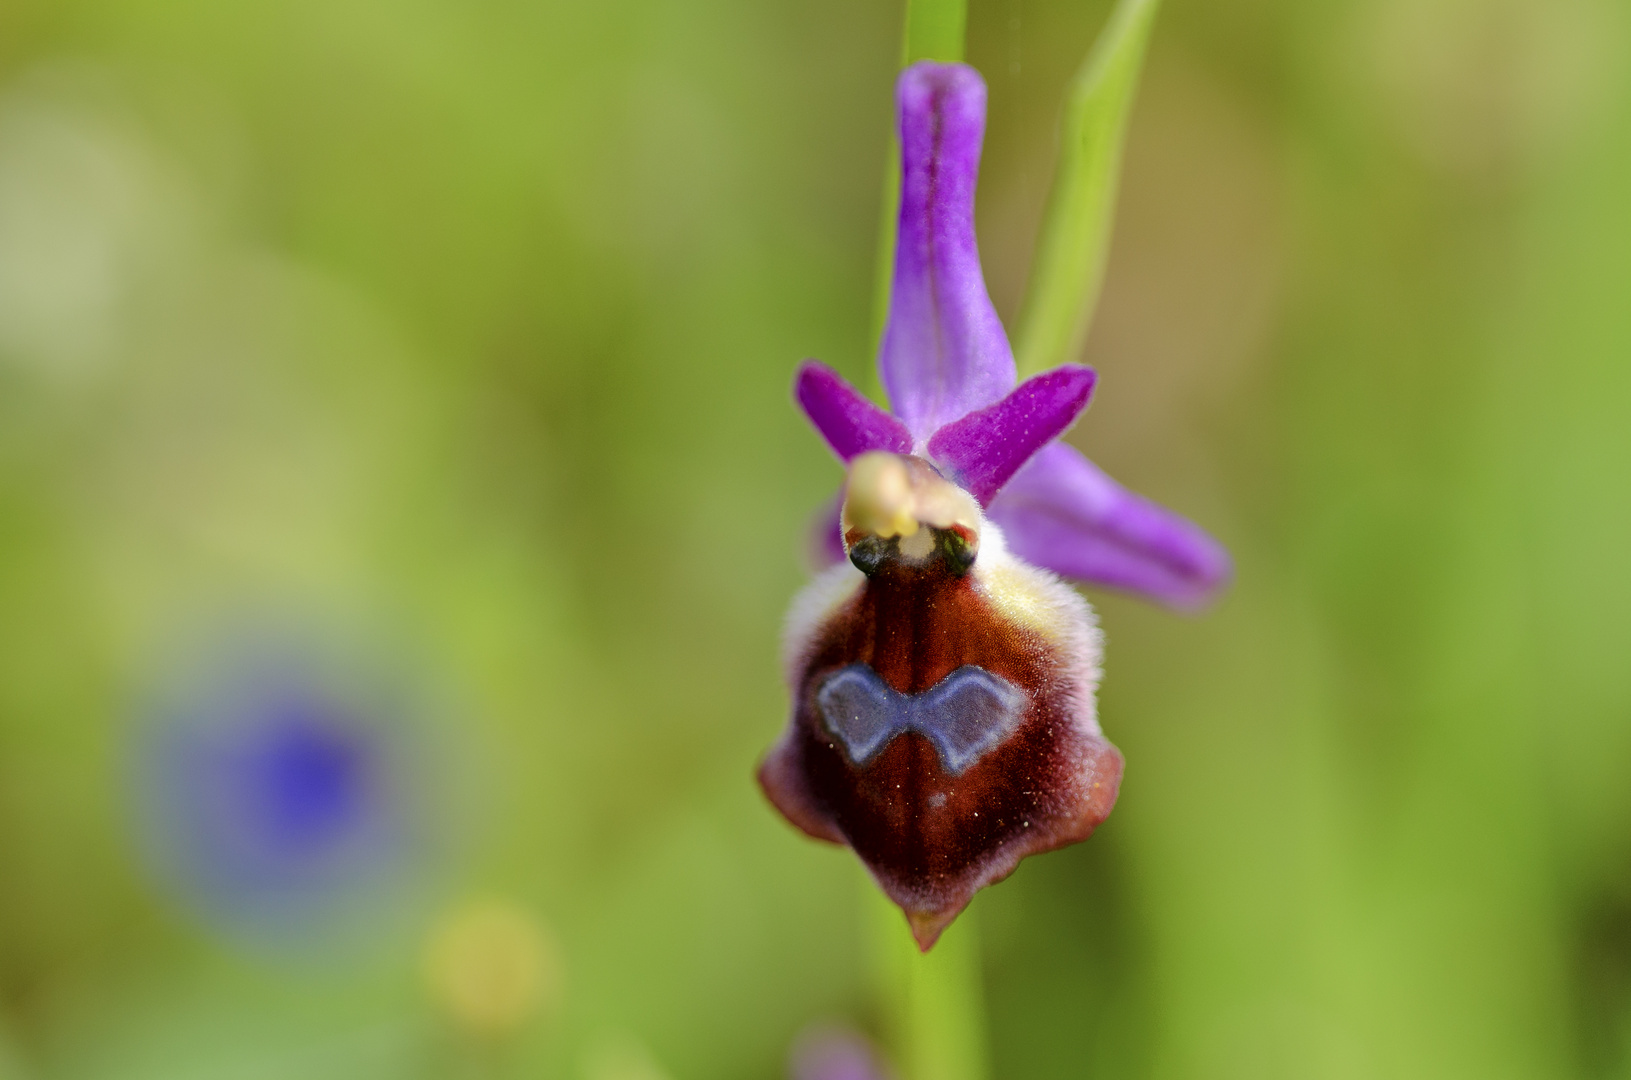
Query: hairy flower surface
943, 677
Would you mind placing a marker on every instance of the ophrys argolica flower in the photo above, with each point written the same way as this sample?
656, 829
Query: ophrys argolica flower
943, 677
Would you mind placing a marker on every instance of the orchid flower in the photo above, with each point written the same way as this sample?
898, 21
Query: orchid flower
944, 722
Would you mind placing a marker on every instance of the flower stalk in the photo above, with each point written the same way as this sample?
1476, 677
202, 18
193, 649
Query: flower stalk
933, 1003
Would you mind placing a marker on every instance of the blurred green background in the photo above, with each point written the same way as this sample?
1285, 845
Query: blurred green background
474, 322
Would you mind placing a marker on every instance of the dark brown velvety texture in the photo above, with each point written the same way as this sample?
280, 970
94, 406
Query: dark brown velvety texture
930, 839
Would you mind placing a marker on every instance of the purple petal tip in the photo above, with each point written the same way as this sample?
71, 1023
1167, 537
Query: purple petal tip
987, 447
846, 418
1062, 512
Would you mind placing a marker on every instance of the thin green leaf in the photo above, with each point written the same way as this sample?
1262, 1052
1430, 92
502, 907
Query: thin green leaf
1069, 268
934, 31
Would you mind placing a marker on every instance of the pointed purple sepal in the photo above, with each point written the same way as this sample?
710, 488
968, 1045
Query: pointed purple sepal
944, 352
984, 449
1061, 512
849, 422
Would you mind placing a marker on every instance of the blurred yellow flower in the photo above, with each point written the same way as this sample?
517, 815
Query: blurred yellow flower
491, 967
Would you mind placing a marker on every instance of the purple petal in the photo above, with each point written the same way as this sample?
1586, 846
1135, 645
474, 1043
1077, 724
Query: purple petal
944, 352
1063, 513
849, 422
985, 448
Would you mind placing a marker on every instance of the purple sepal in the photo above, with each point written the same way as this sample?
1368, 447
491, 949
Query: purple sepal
826, 536
987, 447
944, 352
1061, 512
849, 422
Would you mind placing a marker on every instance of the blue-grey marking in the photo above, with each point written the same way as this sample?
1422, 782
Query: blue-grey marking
964, 716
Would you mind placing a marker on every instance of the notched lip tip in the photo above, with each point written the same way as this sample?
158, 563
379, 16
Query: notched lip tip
928, 926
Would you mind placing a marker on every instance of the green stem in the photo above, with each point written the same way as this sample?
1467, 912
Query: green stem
934, 1009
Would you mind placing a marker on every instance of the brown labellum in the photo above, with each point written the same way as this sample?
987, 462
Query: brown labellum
943, 722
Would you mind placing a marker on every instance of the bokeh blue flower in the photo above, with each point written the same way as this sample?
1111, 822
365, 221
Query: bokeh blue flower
282, 788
